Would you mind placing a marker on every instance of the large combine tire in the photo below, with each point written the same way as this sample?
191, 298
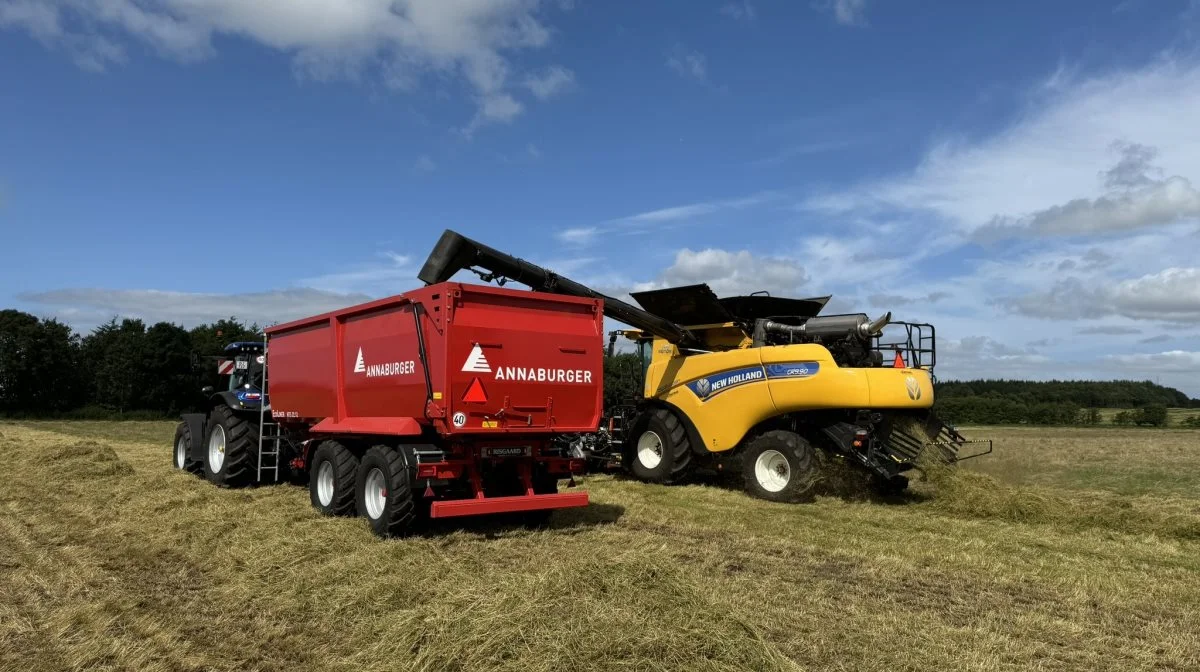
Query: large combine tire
661, 452
230, 449
384, 493
331, 479
780, 466
183, 450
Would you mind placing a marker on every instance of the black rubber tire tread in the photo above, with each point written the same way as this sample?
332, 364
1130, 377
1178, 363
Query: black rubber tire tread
802, 459
191, 466
241, 447
543, 484
676, 464
400, 510
345, 477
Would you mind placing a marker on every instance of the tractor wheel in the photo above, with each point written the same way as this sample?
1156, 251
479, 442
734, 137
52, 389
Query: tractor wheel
543, 484
780, 466
183, 450
331, 479
230, 448
384, 493
661, 452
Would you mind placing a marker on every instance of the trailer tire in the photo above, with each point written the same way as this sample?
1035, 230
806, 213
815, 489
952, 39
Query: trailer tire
230, 447
182, 450
780, 466
384, 493
661, 451
332, 478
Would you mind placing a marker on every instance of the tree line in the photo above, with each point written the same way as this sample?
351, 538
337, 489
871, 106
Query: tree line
128, 369
120, 369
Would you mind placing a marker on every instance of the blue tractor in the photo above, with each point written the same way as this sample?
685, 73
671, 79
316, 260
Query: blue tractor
227, 452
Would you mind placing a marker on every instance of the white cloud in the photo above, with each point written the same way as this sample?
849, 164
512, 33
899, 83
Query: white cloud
393, 275
1172, 294
739, 10
404, 39
688, 63
845, 12
84, 308
424, 164
1109, 330
549, 82
733, 272
1174, 361
1060, 150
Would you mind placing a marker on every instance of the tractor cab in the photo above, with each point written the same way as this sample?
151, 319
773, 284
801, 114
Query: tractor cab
241, 365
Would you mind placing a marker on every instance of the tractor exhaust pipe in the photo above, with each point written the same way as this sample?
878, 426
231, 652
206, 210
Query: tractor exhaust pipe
832, 326
454, 252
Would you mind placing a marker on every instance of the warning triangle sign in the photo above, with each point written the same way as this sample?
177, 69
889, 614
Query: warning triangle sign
475, 394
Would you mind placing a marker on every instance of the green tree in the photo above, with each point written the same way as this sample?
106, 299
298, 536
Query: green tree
622, 377
1153, 414
39, 365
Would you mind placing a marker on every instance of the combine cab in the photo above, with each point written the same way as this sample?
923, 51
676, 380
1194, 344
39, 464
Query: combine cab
759, 385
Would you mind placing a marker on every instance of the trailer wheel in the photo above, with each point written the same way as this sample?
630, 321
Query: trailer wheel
780, 466
661, 452
183, 448
331, 480
230, 447
384, 493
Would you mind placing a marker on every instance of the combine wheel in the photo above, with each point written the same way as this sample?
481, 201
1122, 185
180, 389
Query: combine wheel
384, 493
331, 479
183, 448
230, 449
780, 466
661, 452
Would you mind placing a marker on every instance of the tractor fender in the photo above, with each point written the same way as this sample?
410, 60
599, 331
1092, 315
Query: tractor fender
694, 438
197, 426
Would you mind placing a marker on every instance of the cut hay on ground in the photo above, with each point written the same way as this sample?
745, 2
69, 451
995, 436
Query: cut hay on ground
110, 560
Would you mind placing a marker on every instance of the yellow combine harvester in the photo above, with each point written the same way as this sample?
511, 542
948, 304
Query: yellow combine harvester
757, 384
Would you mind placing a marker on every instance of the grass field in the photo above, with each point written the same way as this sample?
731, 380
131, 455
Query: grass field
1175, 416
1065, 549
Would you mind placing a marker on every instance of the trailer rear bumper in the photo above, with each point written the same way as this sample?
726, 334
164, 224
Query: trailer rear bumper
473, 507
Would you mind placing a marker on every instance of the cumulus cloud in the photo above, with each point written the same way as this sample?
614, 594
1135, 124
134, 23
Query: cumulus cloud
403, 39
88, 307
888, 300
734, 273
578, 235
1142, 202
1172, 294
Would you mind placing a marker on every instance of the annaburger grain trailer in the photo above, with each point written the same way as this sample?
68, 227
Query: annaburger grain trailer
443, 401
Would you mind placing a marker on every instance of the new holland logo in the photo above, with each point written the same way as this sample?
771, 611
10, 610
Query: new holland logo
477, 362
913, 388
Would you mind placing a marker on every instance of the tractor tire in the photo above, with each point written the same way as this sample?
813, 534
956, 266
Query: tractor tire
780, 466
183, 449
543, 484
230, 449
661, 452
384, 493
331, 479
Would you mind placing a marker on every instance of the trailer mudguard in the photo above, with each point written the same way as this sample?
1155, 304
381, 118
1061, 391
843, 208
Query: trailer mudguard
377, 426
196, 427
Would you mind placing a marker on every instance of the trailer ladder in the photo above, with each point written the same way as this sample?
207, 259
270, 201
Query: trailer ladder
269, 435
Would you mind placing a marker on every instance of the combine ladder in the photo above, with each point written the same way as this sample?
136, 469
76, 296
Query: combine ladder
269, 436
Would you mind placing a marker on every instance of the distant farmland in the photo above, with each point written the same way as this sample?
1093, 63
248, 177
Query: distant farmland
1067, 549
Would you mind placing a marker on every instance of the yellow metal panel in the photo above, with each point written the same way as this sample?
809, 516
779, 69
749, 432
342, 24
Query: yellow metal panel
725, 394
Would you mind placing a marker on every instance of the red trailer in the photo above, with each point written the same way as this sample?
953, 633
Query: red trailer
444, 401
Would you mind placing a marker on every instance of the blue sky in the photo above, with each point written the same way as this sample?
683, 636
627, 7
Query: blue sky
1020, 174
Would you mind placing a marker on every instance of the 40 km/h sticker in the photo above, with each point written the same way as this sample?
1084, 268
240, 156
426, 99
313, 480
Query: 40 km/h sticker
459, 419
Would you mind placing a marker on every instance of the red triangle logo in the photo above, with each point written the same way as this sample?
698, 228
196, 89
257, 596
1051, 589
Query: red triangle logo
475, 393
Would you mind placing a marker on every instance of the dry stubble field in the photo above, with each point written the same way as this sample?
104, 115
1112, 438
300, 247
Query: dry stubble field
1067, 549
